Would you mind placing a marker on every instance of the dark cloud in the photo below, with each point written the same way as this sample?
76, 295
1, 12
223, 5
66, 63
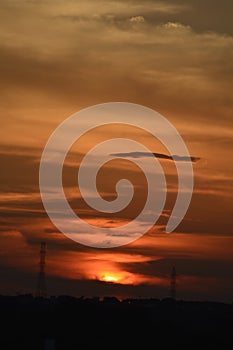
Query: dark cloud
20, 173
185, 266
20, 197
156, 155
20, 281
202, 16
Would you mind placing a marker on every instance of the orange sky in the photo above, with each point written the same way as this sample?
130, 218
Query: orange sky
172, 56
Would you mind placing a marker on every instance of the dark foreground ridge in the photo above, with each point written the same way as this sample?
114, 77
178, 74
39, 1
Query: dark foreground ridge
66, 322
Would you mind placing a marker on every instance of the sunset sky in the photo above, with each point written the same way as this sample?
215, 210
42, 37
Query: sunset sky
173, 56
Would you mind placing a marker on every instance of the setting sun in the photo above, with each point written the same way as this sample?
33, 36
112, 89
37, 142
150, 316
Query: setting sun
110, 278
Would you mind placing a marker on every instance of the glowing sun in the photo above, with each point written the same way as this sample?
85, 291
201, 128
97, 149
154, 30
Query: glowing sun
110, 278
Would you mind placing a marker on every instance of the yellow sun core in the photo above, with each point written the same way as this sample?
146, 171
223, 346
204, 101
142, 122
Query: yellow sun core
110, 278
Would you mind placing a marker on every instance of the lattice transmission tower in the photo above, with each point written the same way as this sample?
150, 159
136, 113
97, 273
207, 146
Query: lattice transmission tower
173, 283
41, 284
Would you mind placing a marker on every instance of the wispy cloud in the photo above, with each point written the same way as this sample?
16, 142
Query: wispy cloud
157, 155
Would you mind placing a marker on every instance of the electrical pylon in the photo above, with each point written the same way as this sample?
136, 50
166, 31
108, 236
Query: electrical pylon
173, 283
41, 285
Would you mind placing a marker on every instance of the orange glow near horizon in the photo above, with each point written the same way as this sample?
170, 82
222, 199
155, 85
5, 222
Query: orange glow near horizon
117, 276
110, 278
128, 278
